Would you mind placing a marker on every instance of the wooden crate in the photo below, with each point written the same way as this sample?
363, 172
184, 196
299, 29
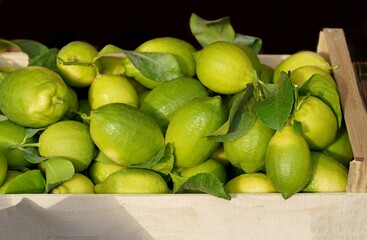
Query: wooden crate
202, 216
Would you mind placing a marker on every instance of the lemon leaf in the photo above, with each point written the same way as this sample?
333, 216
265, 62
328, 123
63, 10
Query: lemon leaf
253, 42
162, 162
31, 48
177, 181
207, 32
57, 170
205, 183
46, 59
240, 120
324, 90
31, 181
275, 110
5, 43
32, 156
159, 67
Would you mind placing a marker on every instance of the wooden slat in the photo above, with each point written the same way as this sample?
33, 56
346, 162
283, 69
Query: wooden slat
333, 45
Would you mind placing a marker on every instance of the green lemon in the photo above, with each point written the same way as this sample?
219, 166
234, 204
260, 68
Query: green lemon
341, 148
223, 67
11, 135
133, 181
190, 126
248, 151
111, 65
220, 155
162, 101
110, 88
319, 123
181, 49
75, 63
328, 174
250, 183
208, 166
125, 134
34, 97
3, 166
78, 184
288, 161
300, 75
99, 171
69, 139
299, 59
74, 104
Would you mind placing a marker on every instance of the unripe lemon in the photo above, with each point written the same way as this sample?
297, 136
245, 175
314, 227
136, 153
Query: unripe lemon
224, 67
328, 174
34, 97
77, 52
247, 152
133, 181
70, 139
288, 161
110, 88
190, 126
319, 123
250, 183
162, 101
78, 184
125, 134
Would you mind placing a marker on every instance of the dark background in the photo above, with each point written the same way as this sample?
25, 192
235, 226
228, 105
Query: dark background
284, 26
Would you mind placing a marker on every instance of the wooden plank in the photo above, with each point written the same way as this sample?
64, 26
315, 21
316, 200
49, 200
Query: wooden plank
184, 216
333, 45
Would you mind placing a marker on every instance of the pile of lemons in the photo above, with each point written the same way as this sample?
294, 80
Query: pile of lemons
169, 118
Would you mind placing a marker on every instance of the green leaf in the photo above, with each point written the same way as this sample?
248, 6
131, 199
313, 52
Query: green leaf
275, 110
30, 132
242, 116
46, 59
57, 170
31, 181
162, 163
31, 155
205, 183
253, 42
325, 90
31, 48
159, 67
207, 32
177, 181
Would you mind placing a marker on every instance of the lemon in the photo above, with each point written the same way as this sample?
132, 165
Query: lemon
250, 183
319, 123
299, 59
328, 175
248, 151
74, 104
34, 97
341, 148
208, 166
111, 65
288, 161
99, 171
110, 88
3, 166
182, 50
80, 72
223, 67
220, 155
77, 184
69, 139
133, 181
189, 127
300, 75
11, 135
125, 134
162, 101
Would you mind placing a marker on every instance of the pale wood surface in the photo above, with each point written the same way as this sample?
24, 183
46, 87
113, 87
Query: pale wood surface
186, 216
